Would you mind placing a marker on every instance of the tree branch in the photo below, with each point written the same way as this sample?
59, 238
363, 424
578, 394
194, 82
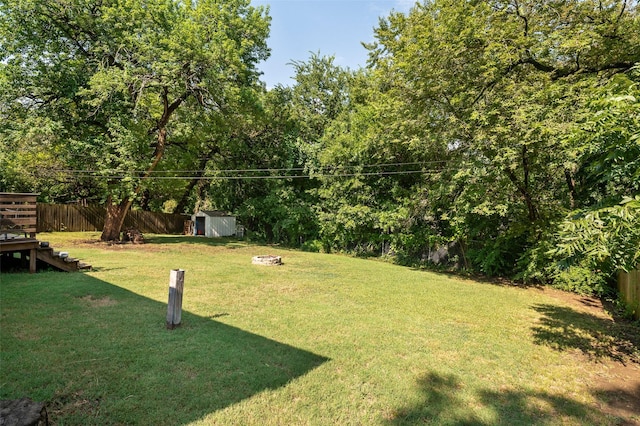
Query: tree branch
558, 73
524, 191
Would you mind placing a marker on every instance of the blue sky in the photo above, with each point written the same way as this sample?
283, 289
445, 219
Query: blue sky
331, 27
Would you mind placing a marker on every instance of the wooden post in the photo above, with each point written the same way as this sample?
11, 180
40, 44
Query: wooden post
174, 307
629, 287
32, 261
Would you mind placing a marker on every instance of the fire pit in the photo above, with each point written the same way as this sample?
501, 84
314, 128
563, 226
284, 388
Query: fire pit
267, 260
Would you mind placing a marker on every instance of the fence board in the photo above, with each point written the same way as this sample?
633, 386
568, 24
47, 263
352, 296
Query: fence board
74, 218
629, 287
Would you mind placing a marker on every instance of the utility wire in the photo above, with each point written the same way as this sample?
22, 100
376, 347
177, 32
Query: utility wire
269, 170
267, 177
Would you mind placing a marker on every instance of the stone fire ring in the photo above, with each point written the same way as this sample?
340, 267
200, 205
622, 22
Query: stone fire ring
267, 260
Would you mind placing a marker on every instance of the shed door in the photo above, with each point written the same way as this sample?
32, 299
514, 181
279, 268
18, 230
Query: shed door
200, 225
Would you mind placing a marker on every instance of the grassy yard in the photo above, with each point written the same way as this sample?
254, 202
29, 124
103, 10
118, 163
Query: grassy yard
321, 340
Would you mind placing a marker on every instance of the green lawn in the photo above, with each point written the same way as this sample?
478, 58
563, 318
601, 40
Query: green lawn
321, 340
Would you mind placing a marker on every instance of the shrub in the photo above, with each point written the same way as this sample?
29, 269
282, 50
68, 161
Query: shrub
581, 280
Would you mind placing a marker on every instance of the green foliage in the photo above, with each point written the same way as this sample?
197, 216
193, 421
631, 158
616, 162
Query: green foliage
606, 239
604, 236
606, 141
120, 81
581, 280
278, 217
314, 246
495, 91
500, 135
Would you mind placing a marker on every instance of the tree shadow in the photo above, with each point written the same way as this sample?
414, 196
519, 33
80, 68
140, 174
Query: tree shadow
563, 328
227, 242
100, 354
476, 278
440, 404
621, 400
444, 403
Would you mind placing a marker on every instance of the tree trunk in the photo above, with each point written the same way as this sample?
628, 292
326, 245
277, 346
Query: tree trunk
182, 204
523, 187
526, 195
116, 213
114, 220
144, 201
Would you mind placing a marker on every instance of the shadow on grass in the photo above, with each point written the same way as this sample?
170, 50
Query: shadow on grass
625, 400
227, 242
564, 328
100, 354
476, 278
444, 402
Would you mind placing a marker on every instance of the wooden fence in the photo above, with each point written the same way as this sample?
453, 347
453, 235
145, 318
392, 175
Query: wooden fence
629, 286
62, 217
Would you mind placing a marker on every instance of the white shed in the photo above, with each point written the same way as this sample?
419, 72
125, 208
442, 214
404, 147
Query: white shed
211, 223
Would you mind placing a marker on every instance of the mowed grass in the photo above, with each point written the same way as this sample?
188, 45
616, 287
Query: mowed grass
321, 340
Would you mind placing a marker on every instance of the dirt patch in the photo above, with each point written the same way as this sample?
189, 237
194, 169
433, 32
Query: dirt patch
616, 379
98, 302
72, 405
617, 389
590, 304
118, 245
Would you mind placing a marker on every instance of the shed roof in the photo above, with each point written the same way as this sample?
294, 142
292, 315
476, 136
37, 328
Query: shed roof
215, 213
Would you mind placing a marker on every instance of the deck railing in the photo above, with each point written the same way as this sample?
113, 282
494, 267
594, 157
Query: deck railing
18, 214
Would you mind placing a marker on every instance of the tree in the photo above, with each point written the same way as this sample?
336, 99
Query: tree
492, 88
123, 79
265, 188
602, 236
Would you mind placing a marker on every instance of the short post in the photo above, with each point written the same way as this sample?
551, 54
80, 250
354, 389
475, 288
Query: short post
174, 307
32, 261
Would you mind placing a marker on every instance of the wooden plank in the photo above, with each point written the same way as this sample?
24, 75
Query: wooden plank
629, 287
19, 230
17, 221
18, 245
18, 198
17, 215
19, 193
17, 207
634, 292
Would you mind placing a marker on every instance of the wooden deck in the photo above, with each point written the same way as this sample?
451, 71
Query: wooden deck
18, 224
31, 251
27, 247
18, 227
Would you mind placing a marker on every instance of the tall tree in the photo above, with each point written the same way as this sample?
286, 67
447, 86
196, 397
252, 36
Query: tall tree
123, 78
494, 86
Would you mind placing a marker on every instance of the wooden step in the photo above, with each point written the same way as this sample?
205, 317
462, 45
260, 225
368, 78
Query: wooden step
68, 264
84, 266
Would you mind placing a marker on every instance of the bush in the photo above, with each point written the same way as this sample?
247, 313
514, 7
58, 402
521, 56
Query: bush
581, 280
314, 246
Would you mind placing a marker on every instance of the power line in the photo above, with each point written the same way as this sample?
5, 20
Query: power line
267, 177
94, 172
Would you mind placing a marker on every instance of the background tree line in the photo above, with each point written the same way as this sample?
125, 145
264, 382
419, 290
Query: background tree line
500, 137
